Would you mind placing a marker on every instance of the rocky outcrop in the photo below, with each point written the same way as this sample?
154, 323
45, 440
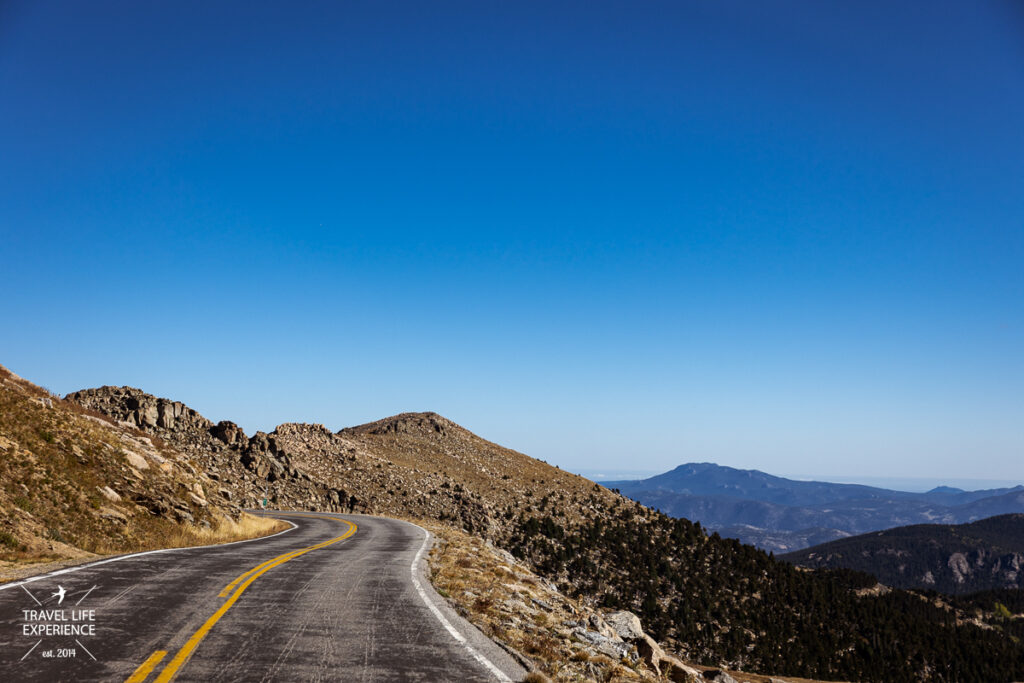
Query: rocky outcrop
959, 567
610, 646
407, 423
250, 470
620, 635
143, 410
628, 626
229, 433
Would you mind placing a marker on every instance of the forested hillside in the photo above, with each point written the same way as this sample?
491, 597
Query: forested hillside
719, 600
955, 559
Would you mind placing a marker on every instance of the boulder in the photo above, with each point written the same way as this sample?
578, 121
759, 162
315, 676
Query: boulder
165, 415
651, 652
228, 432
133, 407
625, 624
112, 514
598, 624
135, 460
261, 442
543, 604
147, 416
109, 493
681, 673
156, 506
718, 676
616, 649
182, 514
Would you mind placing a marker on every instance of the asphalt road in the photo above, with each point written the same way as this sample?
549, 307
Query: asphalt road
337, 598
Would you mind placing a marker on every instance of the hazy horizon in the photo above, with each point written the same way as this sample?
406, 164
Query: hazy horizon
602, 234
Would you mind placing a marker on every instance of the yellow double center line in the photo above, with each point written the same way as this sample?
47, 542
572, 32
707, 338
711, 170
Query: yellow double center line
232, 591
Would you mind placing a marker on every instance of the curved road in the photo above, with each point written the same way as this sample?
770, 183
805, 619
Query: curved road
336, 598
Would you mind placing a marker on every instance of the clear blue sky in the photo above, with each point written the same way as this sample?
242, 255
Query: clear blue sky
784, 235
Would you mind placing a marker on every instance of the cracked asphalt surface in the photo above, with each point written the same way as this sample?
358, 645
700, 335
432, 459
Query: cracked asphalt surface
347, 611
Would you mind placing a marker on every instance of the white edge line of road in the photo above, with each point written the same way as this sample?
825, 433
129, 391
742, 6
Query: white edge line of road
79, 567
461, 639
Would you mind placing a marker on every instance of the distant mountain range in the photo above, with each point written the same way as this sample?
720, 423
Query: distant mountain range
965, 558
784, 515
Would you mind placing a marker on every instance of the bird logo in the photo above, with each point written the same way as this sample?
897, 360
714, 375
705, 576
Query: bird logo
59, 594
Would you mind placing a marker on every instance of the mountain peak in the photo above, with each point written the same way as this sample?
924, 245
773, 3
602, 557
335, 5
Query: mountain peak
946, 489
425, 423
697, 467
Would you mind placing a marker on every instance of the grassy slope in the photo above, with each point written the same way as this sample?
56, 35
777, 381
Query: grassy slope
68, 491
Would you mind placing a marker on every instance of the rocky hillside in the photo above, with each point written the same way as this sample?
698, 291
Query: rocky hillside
713, 601
74, 483
413, 465
953, 559
249, 469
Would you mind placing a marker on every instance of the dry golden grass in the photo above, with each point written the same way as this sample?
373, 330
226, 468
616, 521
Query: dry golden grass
536, 677
497, 595
247, 527
226, 531
68, 493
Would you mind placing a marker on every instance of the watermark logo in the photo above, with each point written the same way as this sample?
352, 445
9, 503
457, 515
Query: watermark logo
54, 626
